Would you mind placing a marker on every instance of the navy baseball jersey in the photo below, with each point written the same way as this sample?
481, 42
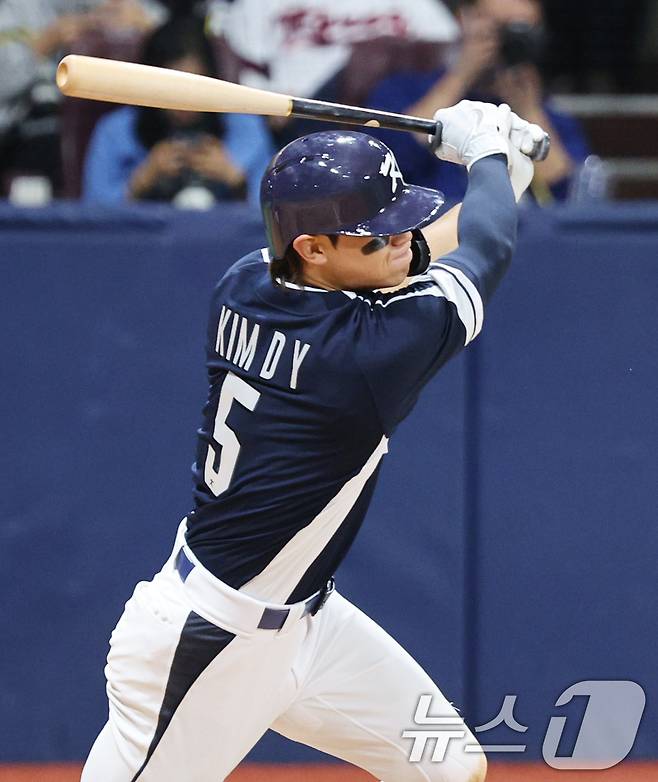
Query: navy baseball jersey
306, 387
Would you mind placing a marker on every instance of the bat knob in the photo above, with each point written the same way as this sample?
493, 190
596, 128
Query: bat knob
435, 137
62, 76
541, 150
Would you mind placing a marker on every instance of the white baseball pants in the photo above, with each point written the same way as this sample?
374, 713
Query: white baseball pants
193, 684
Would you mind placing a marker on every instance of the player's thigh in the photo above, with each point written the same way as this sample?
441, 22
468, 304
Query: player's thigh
359, 691
187, 698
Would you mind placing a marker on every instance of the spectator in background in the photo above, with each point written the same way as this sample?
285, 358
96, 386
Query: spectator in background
497, 61
124, 15
33, 35
157, 154
298, 47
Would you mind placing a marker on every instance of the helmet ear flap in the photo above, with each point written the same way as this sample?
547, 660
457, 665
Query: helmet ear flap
420, 253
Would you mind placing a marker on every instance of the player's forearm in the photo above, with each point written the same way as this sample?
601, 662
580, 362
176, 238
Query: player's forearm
441, 235
487, 224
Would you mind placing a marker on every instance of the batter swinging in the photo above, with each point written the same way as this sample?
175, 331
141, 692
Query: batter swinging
311, 368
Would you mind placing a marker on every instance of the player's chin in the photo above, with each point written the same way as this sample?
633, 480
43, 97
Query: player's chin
398, 266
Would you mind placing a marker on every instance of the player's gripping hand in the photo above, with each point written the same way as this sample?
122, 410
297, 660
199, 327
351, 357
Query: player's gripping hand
528, 143
530, 139
472, 130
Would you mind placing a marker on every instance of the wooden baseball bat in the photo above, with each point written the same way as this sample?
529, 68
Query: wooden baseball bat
144, 85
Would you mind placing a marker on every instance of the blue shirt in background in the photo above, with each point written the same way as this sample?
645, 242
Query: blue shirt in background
401, 90
115, 151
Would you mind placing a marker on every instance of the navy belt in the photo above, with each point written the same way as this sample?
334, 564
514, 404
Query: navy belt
272, 618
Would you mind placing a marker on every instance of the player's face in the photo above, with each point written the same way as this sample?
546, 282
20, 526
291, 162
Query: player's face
367, 261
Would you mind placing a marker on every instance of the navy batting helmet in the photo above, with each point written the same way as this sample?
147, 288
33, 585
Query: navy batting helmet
340, 182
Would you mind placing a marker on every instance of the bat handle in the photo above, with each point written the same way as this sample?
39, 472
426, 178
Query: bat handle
539, 152
435, 136
352, 115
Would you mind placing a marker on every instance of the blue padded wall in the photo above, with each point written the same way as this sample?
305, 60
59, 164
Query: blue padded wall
511, 542
103, 383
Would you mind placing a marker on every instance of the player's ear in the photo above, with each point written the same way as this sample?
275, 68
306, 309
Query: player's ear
310, 249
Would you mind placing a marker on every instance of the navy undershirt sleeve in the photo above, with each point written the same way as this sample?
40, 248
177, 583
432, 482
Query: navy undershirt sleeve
487, 225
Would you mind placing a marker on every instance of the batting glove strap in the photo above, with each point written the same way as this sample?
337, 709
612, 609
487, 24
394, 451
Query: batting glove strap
471, 130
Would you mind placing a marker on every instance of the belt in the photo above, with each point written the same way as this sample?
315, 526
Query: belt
271, 618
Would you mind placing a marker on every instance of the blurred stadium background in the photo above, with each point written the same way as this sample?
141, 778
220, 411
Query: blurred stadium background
511, 546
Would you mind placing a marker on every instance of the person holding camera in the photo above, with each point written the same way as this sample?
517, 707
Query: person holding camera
34, 34
188, 158
497, 62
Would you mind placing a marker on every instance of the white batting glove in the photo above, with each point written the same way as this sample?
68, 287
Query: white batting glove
472, 130
529, 138
521, 172
525, 139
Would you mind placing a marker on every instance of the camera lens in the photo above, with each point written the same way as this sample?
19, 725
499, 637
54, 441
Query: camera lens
521, 43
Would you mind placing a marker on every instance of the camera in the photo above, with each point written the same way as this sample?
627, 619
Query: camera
521, 43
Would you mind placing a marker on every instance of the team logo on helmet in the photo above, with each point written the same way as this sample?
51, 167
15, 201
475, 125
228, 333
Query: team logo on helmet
389, 167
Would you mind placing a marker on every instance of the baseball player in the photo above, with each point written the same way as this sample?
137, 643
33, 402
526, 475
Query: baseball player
311, 368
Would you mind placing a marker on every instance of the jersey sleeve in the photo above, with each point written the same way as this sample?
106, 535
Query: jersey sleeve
405, 337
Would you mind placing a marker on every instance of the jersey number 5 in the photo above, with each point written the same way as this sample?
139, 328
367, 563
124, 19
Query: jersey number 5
233, 389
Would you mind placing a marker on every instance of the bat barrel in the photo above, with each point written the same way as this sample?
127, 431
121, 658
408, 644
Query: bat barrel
352, 115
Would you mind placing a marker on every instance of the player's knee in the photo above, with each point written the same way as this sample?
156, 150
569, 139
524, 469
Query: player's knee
467, 767
479, 773
473, 766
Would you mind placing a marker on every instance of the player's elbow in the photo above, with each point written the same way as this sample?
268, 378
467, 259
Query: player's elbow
499, 255
501, 249
491, 263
